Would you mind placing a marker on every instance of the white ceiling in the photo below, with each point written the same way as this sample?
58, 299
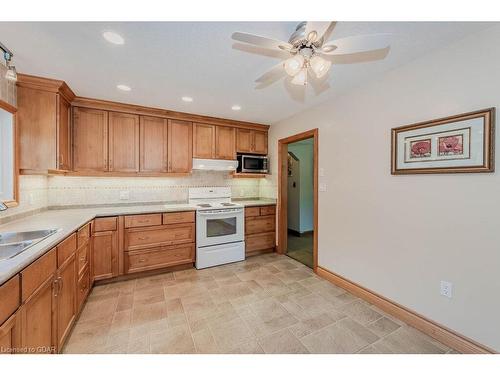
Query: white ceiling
163, 61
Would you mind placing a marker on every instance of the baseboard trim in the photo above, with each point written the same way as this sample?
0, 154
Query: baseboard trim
445, 335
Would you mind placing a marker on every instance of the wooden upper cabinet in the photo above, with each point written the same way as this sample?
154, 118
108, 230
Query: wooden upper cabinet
251, 141
260, 142
123, 142
180, 146
153, 147
244, 140
225, 143
64, 147
203, 141
43, 123
90, 139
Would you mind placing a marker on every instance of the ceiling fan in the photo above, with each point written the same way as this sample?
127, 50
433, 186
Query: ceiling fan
309, 54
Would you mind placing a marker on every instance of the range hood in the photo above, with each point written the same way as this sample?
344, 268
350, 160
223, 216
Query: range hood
214, 165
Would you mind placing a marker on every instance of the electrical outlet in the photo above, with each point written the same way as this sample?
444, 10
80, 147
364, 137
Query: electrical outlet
124, 195
446, 288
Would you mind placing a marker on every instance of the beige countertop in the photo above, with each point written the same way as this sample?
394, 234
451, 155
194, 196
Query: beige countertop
69, 220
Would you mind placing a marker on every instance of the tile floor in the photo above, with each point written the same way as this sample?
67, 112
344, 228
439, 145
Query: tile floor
300, 248
266, 304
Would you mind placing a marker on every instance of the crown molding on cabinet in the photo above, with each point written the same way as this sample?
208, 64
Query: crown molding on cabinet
46, 84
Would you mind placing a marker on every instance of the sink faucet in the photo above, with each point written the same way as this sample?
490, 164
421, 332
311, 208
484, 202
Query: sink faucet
3, 206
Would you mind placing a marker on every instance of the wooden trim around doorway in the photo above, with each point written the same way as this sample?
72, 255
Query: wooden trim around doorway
283, 194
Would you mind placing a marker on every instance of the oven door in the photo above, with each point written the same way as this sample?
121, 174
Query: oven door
215, 227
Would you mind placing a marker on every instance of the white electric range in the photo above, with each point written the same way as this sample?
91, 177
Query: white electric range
220, 227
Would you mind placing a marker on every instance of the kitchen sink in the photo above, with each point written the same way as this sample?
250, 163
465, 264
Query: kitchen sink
14, 243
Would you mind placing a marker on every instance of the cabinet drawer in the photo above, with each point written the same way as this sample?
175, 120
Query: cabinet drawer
160, 235
178, 217
83, 235
83, 288
135, 221
261, 224
66, 249
37, 273
252, 211
143, 260
9, 298
261, 241
267, 210
104, 224
83, 257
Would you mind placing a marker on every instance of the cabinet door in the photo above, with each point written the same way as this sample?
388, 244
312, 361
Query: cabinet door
10, 335
243, 140
260, 142
153, 149
63, 134
180, 146
105, 255
123, 142
90, 139
38, 328
225, 143
66, 299
203, 141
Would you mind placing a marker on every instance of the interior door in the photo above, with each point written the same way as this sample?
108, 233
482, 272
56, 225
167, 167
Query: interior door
123, 142
180, 146
153, 148
90, 139
203, 141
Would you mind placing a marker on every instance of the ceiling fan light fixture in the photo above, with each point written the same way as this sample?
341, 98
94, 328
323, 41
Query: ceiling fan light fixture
294, 65
320, 66
300, 78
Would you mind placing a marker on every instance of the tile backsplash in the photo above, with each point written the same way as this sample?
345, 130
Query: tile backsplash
68, 191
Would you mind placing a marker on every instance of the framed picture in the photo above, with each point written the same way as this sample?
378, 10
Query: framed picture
457, 144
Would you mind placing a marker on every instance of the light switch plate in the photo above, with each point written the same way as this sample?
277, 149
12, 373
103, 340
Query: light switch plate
322, 187
321, 172
446, 288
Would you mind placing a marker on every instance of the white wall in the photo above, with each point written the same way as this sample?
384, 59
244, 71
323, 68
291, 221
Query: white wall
305, 152
400, 235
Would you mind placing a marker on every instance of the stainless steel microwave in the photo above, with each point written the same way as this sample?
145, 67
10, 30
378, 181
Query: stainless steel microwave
252, 164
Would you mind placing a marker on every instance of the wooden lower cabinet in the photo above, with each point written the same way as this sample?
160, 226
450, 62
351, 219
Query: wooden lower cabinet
105, 255
161, 257
260, 229
65, 292
83, 288
161, 235
39, 328
10, 335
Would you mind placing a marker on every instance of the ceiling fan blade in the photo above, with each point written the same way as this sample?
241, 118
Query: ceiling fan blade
329, 31
273, 53
272, 75
316, 30
355, 44
261, 41
359, 57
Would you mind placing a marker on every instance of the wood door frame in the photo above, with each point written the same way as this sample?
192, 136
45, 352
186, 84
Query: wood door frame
283, 190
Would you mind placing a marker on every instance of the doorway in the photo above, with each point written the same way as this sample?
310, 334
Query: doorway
298, 198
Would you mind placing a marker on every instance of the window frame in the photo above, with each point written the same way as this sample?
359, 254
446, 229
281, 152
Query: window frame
15, 178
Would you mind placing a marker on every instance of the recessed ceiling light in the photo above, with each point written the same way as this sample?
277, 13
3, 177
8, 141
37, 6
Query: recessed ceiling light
123, 87
113, 37
236, 107
187, 99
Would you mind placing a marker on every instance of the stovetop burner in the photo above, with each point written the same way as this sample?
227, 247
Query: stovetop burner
227, 204
204, 205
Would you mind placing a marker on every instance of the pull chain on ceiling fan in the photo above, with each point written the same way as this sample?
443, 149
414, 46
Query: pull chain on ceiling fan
311, 54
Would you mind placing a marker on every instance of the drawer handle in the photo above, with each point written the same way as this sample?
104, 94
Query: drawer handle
144, 221
142, 260
143, 238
